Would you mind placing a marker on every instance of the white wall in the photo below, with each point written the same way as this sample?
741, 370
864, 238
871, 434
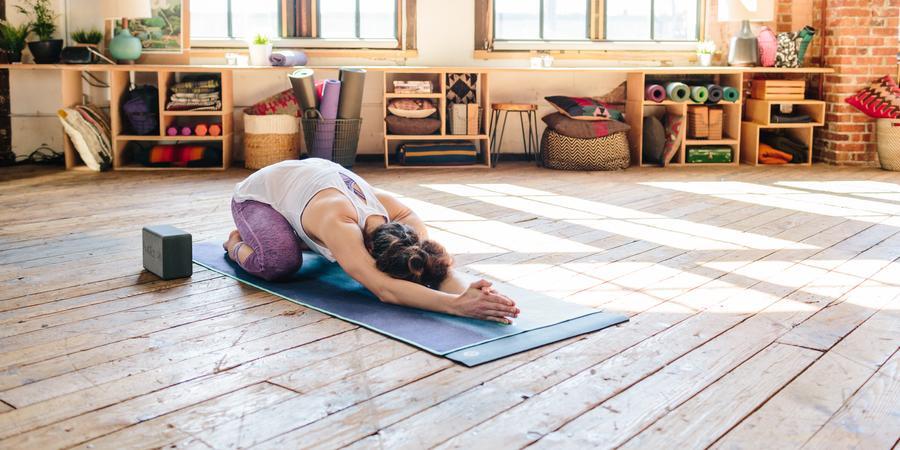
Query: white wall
445, 38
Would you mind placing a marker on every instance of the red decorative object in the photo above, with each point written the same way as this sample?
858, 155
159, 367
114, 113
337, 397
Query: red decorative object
768, 47
880, 100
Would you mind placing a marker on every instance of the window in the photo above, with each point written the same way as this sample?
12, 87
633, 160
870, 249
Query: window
541, 20
301, 23
586, 24
358, 19
652, 20
234, 19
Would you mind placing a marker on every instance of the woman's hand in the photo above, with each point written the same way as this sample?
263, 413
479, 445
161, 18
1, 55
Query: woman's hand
480, 301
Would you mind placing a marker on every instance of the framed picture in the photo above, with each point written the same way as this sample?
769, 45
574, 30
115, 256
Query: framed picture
162, 33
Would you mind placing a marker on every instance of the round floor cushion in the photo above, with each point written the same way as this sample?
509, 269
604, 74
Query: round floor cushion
568, 153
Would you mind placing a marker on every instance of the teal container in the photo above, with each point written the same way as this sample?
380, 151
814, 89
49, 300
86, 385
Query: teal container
125, 47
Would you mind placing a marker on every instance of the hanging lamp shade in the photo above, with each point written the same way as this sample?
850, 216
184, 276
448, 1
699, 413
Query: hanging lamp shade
129, 9
752, 10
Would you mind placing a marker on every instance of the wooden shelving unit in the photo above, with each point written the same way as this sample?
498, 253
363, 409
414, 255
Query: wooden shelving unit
120, 80
439, 81
759, 115
636, 108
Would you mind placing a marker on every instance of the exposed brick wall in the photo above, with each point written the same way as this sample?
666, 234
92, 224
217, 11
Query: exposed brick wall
861, 43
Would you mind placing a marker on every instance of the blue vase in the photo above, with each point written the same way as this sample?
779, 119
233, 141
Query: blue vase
125, 47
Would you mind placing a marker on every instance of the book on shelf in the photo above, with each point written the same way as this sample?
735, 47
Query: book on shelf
413, 87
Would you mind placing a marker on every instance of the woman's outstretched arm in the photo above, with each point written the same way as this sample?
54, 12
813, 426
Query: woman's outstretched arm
477, 300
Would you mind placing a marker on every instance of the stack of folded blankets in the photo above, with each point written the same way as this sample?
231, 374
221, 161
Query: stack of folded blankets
780, 149
196, 95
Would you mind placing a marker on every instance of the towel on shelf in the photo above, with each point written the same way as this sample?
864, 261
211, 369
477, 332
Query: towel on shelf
214, 106
288, 58
791, 118
782, 143
210, 83
769, 155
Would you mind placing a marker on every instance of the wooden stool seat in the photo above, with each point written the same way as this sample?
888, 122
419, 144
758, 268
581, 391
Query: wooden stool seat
522, 107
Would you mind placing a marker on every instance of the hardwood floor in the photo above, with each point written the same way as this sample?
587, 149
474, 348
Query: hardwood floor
764, 305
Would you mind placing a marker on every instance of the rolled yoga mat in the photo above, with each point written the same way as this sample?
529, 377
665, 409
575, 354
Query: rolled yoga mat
323, 286
678, 92
324, 139
715, 93
730, 94
304, 86
353, 81
655, 93
699, 94
806, 36
288, 58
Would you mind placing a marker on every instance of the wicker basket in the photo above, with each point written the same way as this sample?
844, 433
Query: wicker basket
567, 153
270, 139
889, 143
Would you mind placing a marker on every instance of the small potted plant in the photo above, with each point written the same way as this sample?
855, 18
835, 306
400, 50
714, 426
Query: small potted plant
88, 38
12, 40
260, 50
705, 52
45, 50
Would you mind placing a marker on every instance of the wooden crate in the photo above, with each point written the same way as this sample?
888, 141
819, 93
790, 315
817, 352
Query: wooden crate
778, 89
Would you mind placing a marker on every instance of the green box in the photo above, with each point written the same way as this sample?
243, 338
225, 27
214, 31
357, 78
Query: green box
710, 154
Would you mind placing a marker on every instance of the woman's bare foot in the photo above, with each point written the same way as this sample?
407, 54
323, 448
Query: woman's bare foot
233, 240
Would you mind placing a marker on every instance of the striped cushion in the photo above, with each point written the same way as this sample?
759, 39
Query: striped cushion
881, 100
438, 153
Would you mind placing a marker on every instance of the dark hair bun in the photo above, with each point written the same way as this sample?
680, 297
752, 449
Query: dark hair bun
399, 253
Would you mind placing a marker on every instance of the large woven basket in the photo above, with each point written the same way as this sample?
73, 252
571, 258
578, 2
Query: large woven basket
270, 139
889, 143
567, 153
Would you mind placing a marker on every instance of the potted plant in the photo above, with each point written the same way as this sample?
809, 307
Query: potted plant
12, 39
260, 51
45, 50
88, 38
705, 52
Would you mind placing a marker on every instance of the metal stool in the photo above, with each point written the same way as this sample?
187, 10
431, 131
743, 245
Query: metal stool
527, 112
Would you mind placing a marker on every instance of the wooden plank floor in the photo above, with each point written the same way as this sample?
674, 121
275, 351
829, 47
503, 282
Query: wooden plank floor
764, 305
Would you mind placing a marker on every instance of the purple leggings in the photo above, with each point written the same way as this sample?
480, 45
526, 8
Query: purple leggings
276, 248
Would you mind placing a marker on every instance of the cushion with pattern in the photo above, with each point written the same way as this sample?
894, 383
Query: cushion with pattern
880, 100
583, 129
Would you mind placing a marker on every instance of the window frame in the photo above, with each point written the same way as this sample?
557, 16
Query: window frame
485, 42
404, 25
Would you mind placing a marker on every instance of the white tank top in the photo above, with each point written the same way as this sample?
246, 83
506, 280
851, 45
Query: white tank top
288, 187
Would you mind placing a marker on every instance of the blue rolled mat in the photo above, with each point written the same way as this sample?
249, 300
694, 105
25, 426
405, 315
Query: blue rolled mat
678, 92
325, 287
699, 94
730, 94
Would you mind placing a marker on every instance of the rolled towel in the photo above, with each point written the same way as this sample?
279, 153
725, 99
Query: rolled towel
678, 92
171, 131
699, 94
655, 93
215, 130
730, 94
186, 131
288, 58
201, 130
715, 93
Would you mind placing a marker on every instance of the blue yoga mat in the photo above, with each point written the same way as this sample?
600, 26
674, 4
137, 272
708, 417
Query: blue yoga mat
325, 287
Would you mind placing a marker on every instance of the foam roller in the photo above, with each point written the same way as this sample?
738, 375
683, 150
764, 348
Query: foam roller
678, 92
201, 130
215, 130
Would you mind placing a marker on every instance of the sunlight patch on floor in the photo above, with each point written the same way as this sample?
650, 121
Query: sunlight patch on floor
628, 222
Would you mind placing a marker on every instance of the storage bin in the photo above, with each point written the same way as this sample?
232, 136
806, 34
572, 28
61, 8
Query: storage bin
888, 135
778, 89
270, 139
567, 153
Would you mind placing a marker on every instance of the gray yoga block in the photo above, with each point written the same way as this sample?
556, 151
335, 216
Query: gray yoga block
167, 252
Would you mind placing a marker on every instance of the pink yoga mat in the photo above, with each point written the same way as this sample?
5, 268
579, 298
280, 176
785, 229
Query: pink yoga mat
324, 141
655, 93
